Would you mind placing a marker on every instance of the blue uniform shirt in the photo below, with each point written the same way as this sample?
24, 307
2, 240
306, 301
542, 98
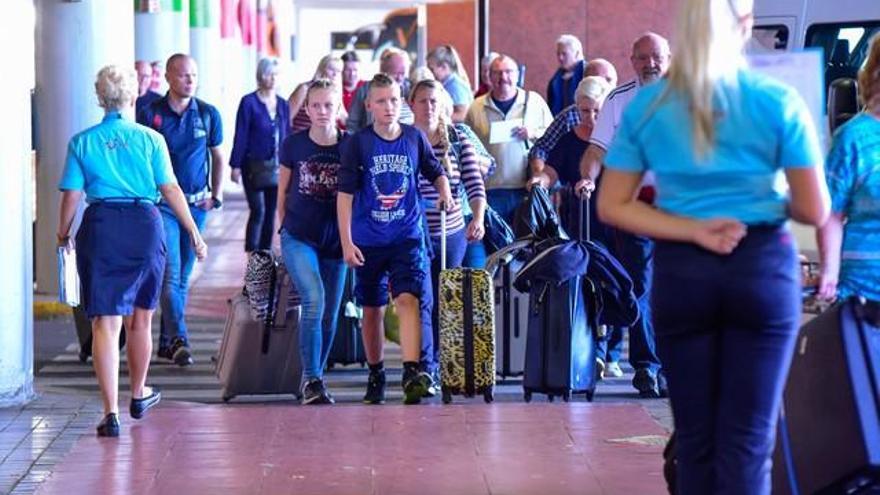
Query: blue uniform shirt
310, 203
188, 137
116, 159
145, 100
256, 131
853, 176
383, 177
763, 127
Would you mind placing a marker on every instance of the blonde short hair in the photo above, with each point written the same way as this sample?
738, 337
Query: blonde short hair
116, 87
593, 87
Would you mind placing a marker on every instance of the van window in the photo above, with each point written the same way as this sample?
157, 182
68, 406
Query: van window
768, 38
845, 46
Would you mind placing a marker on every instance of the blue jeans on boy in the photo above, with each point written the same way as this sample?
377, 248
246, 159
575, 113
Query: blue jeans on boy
180, 259
505, 202
319, 282
727, 327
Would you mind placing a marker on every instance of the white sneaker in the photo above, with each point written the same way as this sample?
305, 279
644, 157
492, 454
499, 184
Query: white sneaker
600, 368
613, 369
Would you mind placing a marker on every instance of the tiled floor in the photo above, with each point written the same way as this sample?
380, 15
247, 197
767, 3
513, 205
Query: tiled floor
611, 446
459, 449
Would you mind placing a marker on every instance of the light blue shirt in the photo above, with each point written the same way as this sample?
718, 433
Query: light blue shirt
853, 176
117, 159
763, 127
458, 89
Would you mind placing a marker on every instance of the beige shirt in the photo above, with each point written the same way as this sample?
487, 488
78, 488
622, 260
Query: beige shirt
512, 156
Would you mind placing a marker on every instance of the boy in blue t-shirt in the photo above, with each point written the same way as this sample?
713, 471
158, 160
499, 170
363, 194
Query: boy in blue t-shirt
380, 226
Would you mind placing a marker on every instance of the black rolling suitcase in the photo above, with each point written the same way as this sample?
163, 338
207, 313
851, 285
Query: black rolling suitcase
828, 440
348, 345
561, 347
511, 309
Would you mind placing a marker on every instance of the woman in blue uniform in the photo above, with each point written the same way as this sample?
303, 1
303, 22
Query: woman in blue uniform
726, 295
123, 169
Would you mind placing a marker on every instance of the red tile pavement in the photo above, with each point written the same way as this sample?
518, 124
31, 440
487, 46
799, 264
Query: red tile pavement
460, 449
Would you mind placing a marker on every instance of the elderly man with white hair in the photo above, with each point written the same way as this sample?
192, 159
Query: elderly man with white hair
560, 89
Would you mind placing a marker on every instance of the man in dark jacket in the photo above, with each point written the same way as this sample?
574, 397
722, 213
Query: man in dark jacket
560, 89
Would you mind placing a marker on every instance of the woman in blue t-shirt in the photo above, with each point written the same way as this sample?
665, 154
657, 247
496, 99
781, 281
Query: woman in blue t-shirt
726, 293
309, 233
446, 66
849, 243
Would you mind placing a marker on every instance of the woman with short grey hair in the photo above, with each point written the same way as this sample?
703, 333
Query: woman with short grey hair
260, 127
124, 169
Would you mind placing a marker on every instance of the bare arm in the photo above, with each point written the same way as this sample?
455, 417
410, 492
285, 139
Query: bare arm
445, 193
591, 162
459, 113
829, 238
810, 202
172, 195
69, 203
296, 100
283, 183
617, 205
352, 255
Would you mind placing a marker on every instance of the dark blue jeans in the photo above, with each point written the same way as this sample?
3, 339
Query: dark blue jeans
727, 327
636, 254
261, 219
179, 262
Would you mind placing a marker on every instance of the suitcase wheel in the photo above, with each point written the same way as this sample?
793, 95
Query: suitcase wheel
527, 396
488, 396
566, 396
589, 395
447, 396
227, 398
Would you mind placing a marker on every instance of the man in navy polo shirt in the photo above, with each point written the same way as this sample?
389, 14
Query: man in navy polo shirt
193, 131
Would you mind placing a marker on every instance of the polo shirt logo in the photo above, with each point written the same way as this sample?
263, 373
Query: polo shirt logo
157, 121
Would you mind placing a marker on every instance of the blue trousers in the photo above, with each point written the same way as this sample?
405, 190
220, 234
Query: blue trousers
727, 327
636, 254
320, 282
178, 267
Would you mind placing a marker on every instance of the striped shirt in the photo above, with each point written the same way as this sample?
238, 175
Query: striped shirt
466, 173
301, 121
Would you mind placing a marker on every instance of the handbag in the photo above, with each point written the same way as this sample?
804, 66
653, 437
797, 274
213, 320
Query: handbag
262, 174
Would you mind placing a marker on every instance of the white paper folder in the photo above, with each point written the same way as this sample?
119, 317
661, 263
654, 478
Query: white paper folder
68, 278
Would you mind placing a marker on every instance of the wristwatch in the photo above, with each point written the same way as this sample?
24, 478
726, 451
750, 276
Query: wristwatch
217, 203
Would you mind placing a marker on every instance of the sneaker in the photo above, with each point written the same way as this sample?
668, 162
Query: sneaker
434, 387
314, 392
612, 369
646, 383
163, 352
415, 386
180, 353
375, 388
662, 387
600, 369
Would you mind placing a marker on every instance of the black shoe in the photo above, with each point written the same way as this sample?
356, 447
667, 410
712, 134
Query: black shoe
164, 353
180, 353
662, 387
314, 392
139, 407
415, 386
109, 426
375, 388
646, 383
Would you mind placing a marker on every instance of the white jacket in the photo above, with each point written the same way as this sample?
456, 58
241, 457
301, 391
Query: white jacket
512, 156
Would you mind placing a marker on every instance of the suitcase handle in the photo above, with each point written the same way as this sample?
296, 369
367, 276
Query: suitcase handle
442, 237
584, 209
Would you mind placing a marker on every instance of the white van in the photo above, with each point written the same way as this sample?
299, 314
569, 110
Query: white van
841, 28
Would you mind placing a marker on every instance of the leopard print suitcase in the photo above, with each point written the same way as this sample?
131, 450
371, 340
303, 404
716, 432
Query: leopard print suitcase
467, 333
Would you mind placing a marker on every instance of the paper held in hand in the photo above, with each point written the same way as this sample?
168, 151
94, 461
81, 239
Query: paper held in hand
502, 130
68, 278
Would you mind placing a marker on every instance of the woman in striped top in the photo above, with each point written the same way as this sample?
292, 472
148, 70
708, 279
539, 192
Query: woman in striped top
330, 68
431, 107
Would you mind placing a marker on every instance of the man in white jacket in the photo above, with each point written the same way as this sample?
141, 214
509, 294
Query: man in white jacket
519, 117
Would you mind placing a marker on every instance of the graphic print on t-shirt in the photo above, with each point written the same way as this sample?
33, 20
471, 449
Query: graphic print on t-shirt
317, 179
389, 178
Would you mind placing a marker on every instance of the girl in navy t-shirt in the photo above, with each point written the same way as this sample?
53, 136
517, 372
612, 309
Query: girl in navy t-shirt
309, 233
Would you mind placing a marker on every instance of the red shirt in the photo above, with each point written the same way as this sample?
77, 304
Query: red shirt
347, 95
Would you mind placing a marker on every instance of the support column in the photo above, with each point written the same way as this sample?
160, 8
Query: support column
74, 40
161, 29
16, 191
204, 40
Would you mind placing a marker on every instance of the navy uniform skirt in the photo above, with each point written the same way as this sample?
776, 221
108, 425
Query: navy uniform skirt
120, 257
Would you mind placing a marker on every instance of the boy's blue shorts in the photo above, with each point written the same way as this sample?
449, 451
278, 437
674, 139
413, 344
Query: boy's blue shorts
402, 264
